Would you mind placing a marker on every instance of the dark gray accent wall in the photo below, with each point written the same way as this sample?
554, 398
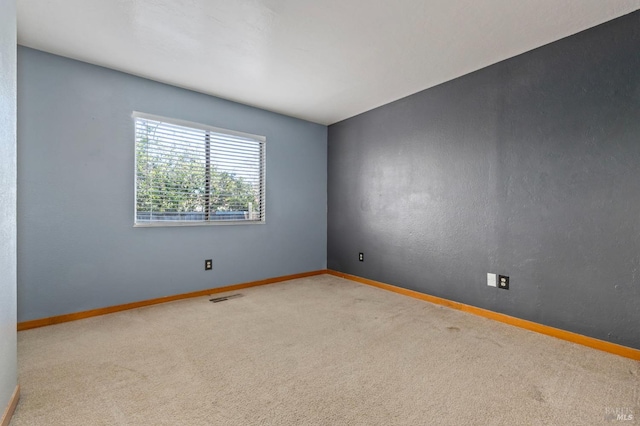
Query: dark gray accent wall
8, 361
77, 248
528, 168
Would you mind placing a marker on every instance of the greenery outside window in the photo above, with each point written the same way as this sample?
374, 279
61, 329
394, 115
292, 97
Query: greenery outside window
189, 174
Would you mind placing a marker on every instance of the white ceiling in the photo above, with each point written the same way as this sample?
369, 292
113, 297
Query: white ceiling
320, 60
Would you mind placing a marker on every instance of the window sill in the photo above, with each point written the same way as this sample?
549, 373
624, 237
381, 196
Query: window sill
197, 223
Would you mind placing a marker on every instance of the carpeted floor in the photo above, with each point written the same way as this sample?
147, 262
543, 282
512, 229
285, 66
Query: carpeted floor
314, 351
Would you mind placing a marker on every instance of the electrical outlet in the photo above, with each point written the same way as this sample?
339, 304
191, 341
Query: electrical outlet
208, 264
503, 282
361, 257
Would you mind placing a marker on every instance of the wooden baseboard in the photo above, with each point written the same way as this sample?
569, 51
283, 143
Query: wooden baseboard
591, 342
518, 322
42, 322
11, 408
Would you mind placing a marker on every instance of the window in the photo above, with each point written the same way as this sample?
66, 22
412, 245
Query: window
189, 173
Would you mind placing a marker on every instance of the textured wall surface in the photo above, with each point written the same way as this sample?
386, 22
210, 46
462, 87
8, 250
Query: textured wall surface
528, 168
8, 364
77, 246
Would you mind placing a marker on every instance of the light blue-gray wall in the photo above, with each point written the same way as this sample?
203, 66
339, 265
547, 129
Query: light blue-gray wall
77, 247
8, 364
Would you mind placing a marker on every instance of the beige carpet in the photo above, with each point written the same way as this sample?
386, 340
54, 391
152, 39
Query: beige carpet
314, 351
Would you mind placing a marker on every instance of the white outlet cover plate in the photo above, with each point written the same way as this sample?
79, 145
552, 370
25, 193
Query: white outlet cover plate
491, 280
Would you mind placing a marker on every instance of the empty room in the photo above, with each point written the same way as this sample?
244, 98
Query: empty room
279, 212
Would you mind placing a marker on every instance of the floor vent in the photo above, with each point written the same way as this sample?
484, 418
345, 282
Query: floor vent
223, 298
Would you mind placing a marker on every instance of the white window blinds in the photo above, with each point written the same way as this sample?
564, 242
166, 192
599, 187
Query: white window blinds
188, 173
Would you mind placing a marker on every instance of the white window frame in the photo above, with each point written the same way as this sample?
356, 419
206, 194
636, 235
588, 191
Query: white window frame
174, 121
